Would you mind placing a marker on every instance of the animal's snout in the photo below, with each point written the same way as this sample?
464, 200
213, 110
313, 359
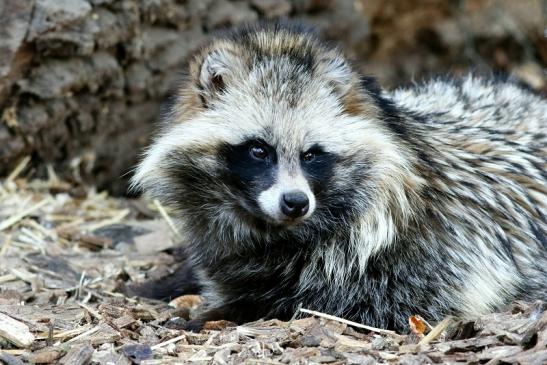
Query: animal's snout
295, 204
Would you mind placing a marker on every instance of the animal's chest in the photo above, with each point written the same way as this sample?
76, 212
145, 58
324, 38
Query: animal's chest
257, 277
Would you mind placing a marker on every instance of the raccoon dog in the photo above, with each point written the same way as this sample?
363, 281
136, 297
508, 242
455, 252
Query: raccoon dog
295, 180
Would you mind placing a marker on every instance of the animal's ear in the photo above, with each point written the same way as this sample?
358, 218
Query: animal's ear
216, 71
337, 72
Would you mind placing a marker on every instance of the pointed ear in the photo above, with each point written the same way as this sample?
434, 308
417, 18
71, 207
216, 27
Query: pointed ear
217, 71
337, 72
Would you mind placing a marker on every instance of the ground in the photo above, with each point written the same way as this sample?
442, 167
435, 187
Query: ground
65, 251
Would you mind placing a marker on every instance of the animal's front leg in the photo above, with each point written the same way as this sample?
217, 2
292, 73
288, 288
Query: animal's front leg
184, 280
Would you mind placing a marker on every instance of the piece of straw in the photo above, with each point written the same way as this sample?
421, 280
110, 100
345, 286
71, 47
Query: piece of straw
351, 323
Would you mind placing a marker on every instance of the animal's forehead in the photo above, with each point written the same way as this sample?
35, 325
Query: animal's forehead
283, 88
312, 118
279, 81
300, 48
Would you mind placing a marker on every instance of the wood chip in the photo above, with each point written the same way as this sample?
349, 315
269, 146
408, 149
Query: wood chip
77, 355
45, 356
92, 241
155, 241
471, 344
124, 321
105, 334
9, 359
15, 332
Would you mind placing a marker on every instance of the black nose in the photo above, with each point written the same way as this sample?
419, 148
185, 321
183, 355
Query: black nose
295, 204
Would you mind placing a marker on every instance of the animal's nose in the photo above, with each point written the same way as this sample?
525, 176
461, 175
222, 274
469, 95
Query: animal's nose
295, 204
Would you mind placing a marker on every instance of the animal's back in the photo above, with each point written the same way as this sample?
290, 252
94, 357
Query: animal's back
495, 121
501, 105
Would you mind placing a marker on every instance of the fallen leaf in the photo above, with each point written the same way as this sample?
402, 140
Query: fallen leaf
417, 326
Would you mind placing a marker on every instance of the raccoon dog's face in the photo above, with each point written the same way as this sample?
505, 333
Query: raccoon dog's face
274, 184
271, 131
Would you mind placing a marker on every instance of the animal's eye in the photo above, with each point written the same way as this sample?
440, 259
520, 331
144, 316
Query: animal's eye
258, 152
308, 156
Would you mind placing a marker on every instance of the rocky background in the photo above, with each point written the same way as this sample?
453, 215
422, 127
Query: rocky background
82, 81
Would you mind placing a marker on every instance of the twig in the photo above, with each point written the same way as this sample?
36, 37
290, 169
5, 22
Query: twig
47, 232
295, 314
67, 333
6, 278
199, 347
436, 331
52, 176
263, 361
351, 323
168, 342
167, 218
16, 352
85, 334
6, 245
17, 217
49, 340
107, 222
80, 285
91, 311
17, 170
3, 192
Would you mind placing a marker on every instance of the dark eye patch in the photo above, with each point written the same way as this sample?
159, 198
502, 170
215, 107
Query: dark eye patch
242, 159
310, 155
244, 172
319, 170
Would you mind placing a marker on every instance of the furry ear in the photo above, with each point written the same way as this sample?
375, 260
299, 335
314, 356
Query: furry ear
337, 72
216, 72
